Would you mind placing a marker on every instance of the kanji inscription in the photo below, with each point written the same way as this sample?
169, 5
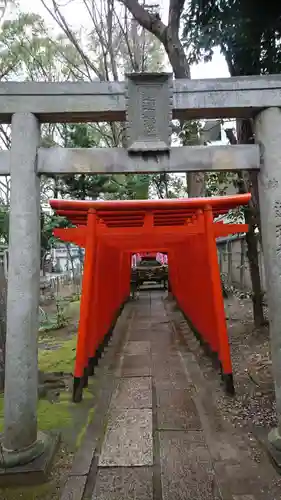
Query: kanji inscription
149, 112
277, 208
278, 240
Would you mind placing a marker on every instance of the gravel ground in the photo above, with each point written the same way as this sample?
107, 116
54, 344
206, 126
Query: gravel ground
253, 407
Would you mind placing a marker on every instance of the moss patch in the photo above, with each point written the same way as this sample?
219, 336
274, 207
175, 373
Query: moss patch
82, 433
58, 360
53, 415
57, 351
72, 310
50, 415
42, 492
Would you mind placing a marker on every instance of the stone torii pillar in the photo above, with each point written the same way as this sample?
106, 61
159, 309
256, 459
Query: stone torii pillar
21, 442
268, 135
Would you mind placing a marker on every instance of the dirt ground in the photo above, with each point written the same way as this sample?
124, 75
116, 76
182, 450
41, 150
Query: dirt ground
253, 407
254, 404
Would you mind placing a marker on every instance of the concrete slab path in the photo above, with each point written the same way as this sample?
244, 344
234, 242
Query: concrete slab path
160, 434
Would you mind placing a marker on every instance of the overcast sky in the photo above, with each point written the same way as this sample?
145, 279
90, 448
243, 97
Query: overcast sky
77, 16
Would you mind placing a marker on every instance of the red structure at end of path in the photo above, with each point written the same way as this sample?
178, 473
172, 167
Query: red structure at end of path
111, 231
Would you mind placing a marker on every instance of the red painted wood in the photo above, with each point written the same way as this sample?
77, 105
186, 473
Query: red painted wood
184, 229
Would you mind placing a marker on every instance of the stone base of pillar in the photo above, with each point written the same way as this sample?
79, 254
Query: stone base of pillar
30, 466
271, 444
274, 448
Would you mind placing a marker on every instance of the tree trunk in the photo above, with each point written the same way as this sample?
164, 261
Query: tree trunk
248, 182
177, 57
170, 39
70, 258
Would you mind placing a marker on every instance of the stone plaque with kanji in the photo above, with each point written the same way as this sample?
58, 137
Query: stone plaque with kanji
149, 112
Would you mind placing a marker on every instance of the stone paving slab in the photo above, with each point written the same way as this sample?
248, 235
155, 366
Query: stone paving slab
186, 467
165, 439
124, 484
136, 366
169, 382
137, 348
142, 335
133, 392
176, 410
128, 439
74, 488
241, 479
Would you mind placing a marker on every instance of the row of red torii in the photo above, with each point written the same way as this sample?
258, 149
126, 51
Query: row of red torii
146, 104
112, 231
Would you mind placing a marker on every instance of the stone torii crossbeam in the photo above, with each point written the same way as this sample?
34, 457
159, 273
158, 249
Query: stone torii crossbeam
147, 103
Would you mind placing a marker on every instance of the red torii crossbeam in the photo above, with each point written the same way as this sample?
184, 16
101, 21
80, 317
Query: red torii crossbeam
111, 231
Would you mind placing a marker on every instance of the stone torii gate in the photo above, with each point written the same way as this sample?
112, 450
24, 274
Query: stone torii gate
147, 103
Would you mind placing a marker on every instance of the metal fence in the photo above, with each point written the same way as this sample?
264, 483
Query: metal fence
234, 264
59, 285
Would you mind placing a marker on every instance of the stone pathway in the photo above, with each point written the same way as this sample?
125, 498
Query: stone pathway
161, 437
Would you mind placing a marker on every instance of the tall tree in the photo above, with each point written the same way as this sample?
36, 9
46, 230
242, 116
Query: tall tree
169, 36
112, 44
248, 34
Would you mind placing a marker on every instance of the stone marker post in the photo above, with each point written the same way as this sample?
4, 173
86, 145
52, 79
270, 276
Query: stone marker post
20, 429
268, 135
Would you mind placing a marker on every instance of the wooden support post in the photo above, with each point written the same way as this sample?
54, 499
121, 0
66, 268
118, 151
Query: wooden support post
94, 350
216, 292
81, 372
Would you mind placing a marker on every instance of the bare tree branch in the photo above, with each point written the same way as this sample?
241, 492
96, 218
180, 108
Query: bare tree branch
151, 22
60, 19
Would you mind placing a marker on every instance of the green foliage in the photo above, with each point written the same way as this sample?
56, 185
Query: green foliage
166, 185
49, 222
217, 183
129, 186
82, 186
190, 133
4, 225
247, 32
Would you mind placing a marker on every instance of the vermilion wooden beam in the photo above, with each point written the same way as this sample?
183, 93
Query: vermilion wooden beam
77, 235
219, 202
112, 231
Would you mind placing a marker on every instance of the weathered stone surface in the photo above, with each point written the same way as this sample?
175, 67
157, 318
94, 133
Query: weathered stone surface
74, 488
124, 484
186, 468
83, 458
136, 366
116, 160
137, 348
244, 497
169, 371
149, 102
133, 392
268, 129
102, 101
143, 334
177, 410
242, 479
21, 376
128, 439
34, 472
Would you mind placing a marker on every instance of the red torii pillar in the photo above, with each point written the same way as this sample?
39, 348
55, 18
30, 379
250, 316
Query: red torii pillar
96, 235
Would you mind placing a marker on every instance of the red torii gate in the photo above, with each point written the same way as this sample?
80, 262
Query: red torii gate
111, 231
